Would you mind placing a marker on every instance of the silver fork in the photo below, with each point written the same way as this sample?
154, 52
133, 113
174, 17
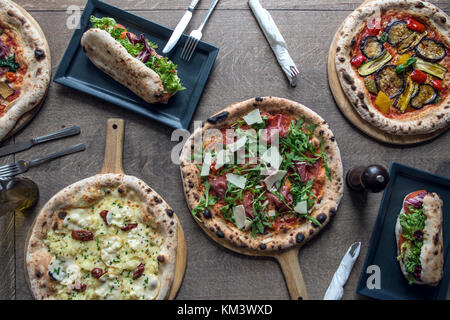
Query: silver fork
196, 35
294, 74
23, 166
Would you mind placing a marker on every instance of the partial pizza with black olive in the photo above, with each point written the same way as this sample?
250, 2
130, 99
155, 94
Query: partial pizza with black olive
393, 63
106, 237
264, 174
24, 65
420, 238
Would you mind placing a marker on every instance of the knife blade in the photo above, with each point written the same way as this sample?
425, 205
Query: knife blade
25, 145
181, 26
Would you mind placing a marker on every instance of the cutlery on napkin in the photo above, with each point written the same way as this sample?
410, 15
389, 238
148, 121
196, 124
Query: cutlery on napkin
340, 277
276, 40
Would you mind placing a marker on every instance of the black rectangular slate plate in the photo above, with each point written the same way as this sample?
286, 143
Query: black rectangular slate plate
383, 248
77, 71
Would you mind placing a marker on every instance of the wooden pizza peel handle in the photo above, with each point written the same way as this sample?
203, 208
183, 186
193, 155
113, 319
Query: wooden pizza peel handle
112, 162
288, 261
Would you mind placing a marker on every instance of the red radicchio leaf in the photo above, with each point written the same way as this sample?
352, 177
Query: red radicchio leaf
4, 50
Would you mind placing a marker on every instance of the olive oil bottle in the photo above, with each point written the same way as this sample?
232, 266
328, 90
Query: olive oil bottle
17, 194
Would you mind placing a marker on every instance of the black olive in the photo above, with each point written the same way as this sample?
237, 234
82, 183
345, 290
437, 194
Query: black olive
39, 54
207, 214
375, 178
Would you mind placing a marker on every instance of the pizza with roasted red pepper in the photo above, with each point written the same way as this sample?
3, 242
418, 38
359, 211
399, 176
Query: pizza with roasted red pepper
393, 62
264, 174
24, 65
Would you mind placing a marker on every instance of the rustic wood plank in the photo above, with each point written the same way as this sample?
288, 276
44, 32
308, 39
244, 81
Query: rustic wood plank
7, 257
142, 5
245, 68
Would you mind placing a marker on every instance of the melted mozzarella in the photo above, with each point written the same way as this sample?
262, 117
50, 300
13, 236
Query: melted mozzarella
110, 251
79, 219
109, 287
64, 270
145, 288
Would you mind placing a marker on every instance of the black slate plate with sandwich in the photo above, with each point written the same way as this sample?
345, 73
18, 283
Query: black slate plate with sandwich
383, 247
78, 72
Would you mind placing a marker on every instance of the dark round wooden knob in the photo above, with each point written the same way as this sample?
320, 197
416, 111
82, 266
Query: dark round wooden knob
373, 178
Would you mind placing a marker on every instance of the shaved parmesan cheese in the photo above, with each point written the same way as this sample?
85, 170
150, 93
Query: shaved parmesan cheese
238, 181
253, 117
301, 207
239, 144
271, 180
273, 157
271, 213
247, 224
266, 240
239, 216
206, 165
223, 157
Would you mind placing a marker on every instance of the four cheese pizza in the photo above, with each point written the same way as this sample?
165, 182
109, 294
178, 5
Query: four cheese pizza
24, 65
269, 176
393, 62
106, 237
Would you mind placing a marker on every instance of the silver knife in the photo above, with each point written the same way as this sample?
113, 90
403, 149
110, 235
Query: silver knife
181, 26
25, 145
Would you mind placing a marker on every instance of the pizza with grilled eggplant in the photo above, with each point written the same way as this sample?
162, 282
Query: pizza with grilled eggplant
108, 237
419, 238
131, 60
263, 174
393, 63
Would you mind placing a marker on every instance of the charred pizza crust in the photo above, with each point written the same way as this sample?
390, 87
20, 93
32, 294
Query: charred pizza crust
419, 122
83, 194
432, 253
225, 230
35, 56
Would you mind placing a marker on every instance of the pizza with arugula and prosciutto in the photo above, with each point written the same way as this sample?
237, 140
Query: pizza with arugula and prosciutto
393, 63
264, 174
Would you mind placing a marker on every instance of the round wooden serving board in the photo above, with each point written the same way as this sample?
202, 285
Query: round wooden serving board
113, 164
28, 116
353, 116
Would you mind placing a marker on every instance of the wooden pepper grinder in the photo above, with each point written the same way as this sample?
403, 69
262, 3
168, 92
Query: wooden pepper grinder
373, 178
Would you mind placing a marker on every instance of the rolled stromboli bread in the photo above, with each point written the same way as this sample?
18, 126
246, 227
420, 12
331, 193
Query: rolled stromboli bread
111, 57
419, 238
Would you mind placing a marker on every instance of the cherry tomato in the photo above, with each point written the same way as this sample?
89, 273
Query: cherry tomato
418, 76
11, 77
374, 27
437, 84
128, 227
104, 214
139, 271
415, 25
358, 60
82, 235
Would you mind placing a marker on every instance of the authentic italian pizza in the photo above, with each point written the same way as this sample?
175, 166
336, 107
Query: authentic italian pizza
393, 63
269, 174
24, 65
106, 237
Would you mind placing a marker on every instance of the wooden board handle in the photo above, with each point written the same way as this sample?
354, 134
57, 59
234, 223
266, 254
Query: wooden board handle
288, 261
112, 162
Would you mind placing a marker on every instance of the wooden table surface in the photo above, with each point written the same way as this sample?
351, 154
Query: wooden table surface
245, 68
